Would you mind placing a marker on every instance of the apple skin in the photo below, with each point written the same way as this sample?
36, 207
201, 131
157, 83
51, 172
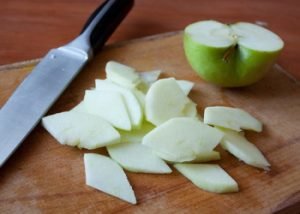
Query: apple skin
242, 67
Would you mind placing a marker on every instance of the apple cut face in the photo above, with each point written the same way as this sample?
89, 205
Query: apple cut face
80, 129
109, 105
236, 143
209, 177
132, 104
104, 174
230, 55
185, 85
182, 139
231, 118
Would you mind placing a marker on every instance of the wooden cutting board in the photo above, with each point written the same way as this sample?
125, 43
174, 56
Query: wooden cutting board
44, 176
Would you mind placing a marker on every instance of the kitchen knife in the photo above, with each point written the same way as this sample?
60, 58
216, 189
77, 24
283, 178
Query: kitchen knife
36, 94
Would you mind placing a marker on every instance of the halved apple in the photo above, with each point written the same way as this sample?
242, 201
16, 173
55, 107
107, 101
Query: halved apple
231, 118
104, 174
209, 177
230, 55
80, 129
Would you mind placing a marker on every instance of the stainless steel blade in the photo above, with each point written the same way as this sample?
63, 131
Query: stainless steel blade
36, 94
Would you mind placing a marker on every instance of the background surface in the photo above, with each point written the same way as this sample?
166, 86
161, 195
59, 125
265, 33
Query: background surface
29, 28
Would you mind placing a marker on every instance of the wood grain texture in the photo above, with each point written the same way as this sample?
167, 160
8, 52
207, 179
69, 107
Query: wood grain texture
44, 176
29, 28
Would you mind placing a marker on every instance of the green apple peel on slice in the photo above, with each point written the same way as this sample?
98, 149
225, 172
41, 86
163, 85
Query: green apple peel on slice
181, 139
240, 147
80, 129
209, 177
104, 174
230, 55
231, 118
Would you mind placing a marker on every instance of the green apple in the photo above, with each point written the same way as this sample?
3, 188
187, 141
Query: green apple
209, 177
80, 129
106, 175
230, 55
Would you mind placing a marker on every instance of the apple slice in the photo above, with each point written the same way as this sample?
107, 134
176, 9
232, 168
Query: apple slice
181, 139
165, 100
104, 174
231, 118
240, 147
209, 177
190, 109
109, 105
207, 156
131, 102
230, 55
122, 74
79, 108
134, 156
80, 129
185, 85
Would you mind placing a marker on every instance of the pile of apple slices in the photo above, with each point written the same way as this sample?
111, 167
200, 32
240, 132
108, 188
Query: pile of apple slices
145, 122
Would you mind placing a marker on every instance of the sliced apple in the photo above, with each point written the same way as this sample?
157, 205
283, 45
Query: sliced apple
185, 85
104, 174
237, 144
207, 156
231, 118
165, 100
80, 129
109, 105
190, 109
122, 74
209, 177
181, 139
79, 108
134, 156
132, 104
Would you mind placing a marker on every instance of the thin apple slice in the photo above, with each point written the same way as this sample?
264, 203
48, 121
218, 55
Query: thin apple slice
237, 144
104, 174
207, 156
80, 129
231, 118
150, 77
190, 109
122, 74
209, 177
185, 85
181, 139
134, 109
134, 156
109, 105
165, 100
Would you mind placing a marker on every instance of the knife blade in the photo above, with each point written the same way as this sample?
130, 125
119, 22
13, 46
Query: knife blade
39, 90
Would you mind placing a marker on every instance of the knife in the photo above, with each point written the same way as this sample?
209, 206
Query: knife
39, 90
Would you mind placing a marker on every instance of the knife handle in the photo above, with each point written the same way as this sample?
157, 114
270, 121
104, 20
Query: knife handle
103, 22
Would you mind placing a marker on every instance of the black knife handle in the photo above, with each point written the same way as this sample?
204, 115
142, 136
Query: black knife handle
104, 20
